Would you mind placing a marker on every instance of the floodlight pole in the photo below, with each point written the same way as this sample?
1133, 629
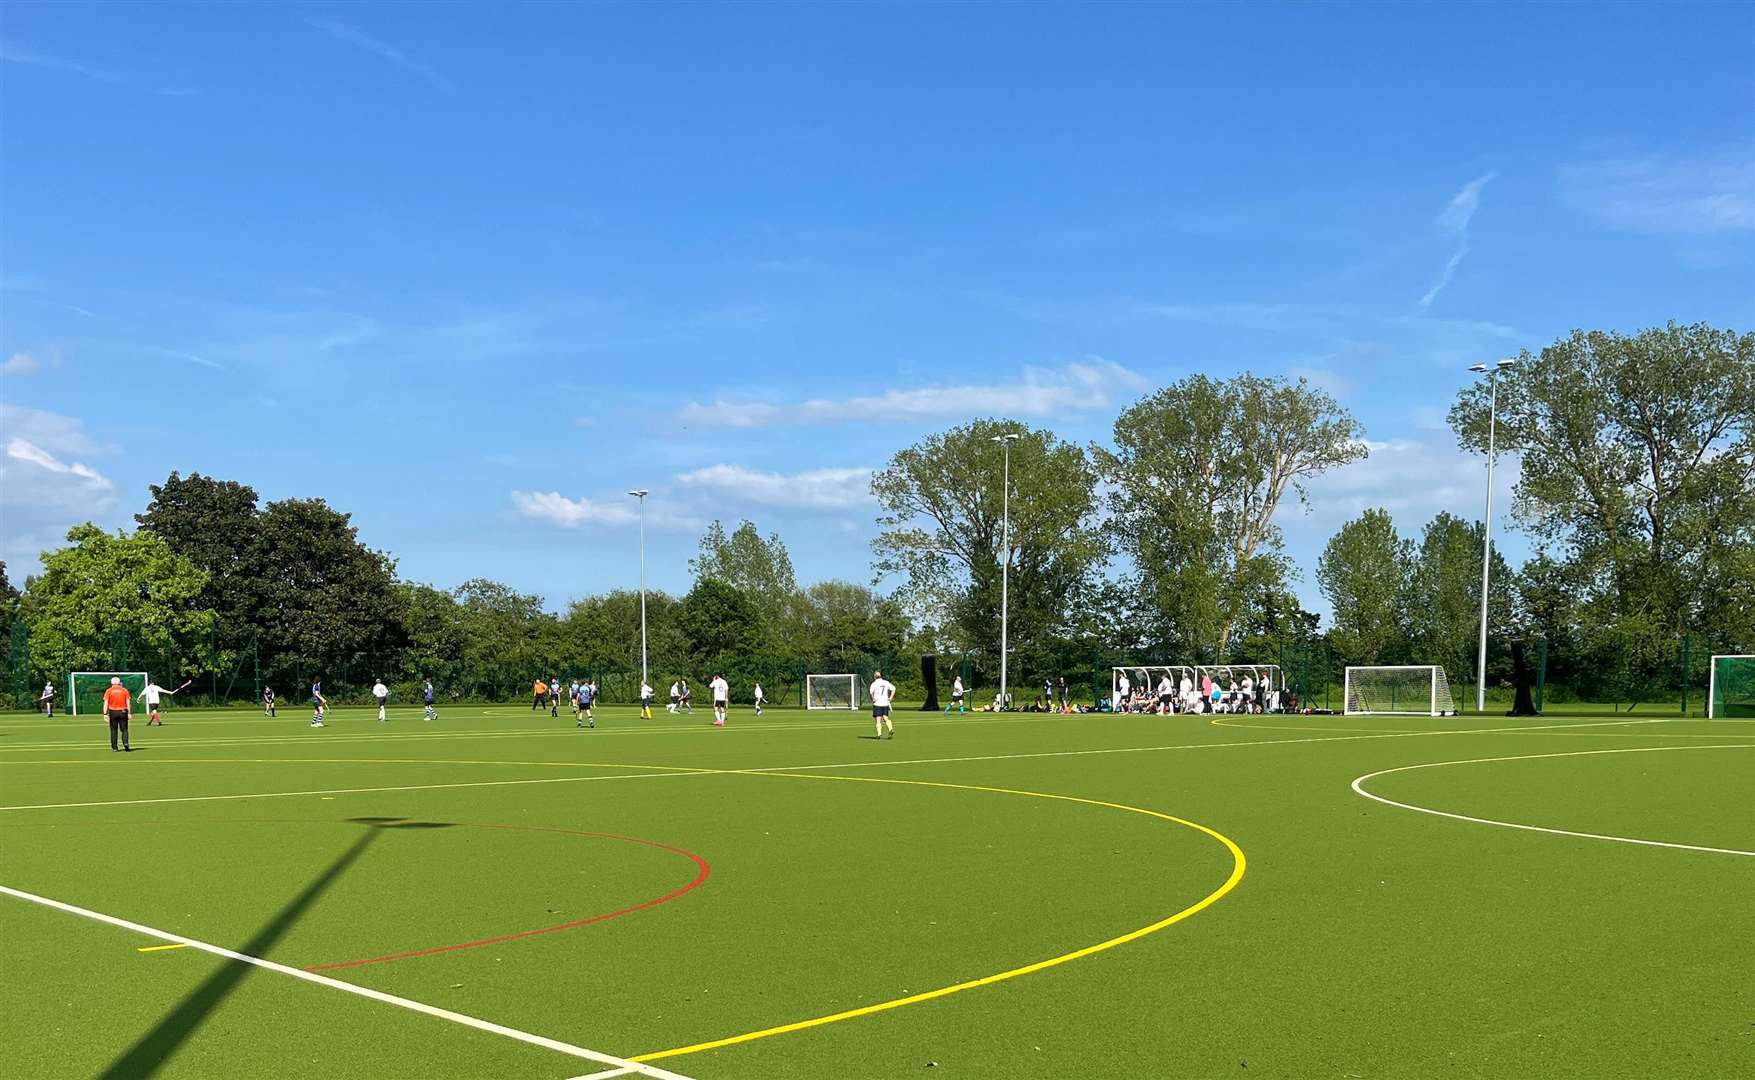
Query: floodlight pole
1005, 544
641, 493
1487, 527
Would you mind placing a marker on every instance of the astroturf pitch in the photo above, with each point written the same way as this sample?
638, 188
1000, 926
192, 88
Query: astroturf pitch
982, 896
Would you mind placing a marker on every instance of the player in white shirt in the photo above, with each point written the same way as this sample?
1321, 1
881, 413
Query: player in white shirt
760, 697
1122, 688
1165, 693
721, 691
883, 691
382, 693
675, 696
645, 700
47, 699
151, 695
957, 692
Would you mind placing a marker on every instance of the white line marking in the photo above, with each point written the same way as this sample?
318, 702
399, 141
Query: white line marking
784, 768
603, 1075
346, 791
1359, 789
489, 1026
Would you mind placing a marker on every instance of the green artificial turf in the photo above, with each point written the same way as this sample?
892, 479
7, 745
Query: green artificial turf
1362, 941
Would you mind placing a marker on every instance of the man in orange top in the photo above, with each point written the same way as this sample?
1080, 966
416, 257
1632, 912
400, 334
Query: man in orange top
541, 692
117, 703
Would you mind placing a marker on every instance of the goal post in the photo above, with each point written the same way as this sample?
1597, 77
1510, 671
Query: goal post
1398, 690
88, 687
1730, 687
832, 692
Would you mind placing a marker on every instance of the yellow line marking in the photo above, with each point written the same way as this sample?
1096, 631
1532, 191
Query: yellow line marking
1238, 865
161, 948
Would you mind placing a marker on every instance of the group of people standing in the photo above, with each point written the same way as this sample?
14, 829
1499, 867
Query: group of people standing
582, 695
1188, 696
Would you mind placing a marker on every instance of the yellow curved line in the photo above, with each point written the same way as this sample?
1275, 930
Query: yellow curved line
1238, 865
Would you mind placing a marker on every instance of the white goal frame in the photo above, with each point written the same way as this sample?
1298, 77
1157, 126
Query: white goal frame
1712, 679
1439, 701
855, 691
73, 684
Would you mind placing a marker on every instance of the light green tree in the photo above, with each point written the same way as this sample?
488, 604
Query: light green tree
759, 568
1200, 469
1363, 571
104, 584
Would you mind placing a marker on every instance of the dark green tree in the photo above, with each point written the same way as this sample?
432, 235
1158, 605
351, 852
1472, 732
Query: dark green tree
719, 625
1363, 572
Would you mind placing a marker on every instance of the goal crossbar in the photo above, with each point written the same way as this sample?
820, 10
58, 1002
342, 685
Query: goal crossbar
837, 691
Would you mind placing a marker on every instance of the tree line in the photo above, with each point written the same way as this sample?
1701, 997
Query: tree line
1636, 487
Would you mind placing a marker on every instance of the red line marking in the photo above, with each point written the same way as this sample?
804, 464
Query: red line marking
703, 871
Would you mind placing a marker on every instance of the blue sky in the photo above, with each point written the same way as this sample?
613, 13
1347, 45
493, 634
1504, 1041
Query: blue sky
472, 272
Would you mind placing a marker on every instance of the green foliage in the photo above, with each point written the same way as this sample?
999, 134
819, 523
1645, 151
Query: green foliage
1363, 571
840, 623
103, 584
1443, 602
760, 569
1200, 469
942, 503
720, 625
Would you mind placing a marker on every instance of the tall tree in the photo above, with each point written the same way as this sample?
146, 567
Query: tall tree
941, 501
326, 604
1443, 602
841, 623
720, 624
104, 585
1363, 572
1200, 469
1637, 457
214, 524
760, 569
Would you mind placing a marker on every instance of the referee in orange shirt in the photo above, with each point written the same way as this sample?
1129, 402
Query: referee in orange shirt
117, 703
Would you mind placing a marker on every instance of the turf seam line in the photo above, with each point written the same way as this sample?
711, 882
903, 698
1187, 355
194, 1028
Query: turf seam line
363, 991
1358, 788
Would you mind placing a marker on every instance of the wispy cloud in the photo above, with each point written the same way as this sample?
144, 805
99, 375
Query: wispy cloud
44, 487
1692, 195
186, 357
1453, 221
1090, 384
12, 54
828, 489
352, 35
21, 363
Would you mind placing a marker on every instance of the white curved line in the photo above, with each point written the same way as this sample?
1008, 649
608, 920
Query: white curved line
1359, 789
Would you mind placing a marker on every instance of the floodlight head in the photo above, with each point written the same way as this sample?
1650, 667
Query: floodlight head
1010, 436
639, 493
1507, 362
1477, 367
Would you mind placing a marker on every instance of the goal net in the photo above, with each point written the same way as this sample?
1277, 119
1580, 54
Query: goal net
833, 692
1730, 690
85, 689
1266, 684
1408, 690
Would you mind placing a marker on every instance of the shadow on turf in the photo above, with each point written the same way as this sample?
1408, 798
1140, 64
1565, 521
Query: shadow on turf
147, 1056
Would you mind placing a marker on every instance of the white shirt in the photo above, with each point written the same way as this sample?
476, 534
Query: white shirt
380, 691
1123, 686
759, 695
1164, 688
151, 693
48, 689
645, 690
721, 690
882, 690
676, 690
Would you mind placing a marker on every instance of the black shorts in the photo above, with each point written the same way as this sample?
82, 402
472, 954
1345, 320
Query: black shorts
878, 712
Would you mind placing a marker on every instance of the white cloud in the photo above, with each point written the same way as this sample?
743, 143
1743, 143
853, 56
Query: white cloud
351, 34
1696, 195
1454, 220
21, 363
1413, 480
1090, 384
43, 487
813, 488
553, 508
